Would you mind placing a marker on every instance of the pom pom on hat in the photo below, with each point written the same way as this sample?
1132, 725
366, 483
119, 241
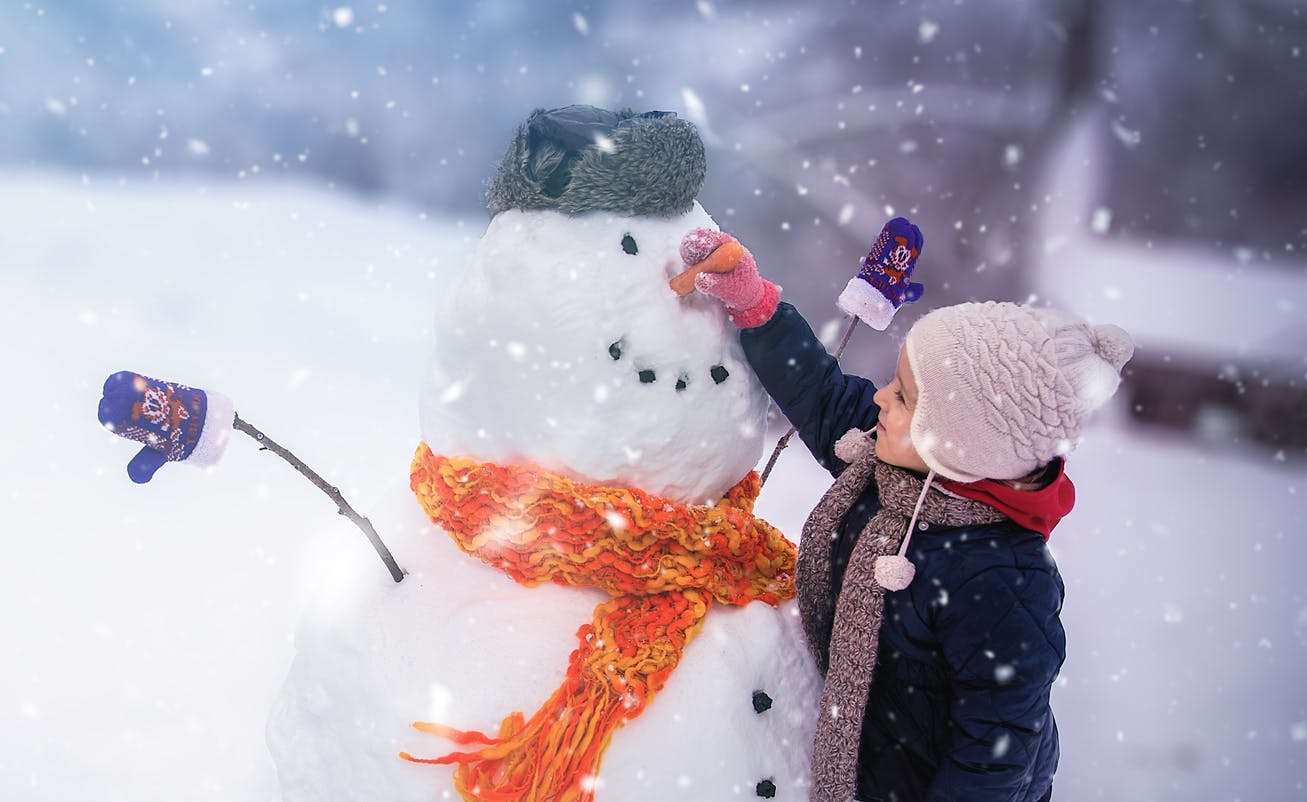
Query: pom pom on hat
1003, 388
1114, 345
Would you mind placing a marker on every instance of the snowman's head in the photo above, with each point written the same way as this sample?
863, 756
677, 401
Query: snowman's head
563, 345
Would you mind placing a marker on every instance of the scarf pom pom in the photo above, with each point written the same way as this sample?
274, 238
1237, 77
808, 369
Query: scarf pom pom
894, 572
853, 445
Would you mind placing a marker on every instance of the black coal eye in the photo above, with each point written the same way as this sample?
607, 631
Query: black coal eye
765, 789
615, 350
628, 245
719, 373
648, 376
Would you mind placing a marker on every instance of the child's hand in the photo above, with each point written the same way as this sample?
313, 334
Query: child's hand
175, 422
749, 298
884, 282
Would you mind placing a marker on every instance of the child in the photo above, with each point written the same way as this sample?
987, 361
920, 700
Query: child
955, 465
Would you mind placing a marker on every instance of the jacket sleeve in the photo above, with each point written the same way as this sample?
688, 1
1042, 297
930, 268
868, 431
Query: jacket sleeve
1004, 644
807, 384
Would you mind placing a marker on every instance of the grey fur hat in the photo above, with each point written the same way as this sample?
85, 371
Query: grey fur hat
582, 159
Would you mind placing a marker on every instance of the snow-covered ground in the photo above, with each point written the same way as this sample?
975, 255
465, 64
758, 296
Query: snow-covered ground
149, 628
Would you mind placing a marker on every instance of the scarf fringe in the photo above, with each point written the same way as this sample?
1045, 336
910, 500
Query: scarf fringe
625, 658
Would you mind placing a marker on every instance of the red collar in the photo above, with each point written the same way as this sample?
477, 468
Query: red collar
1036, 510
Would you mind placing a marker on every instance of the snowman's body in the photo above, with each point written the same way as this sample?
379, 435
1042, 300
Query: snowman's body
563, 347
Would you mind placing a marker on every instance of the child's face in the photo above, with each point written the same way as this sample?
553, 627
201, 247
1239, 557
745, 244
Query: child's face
897, 401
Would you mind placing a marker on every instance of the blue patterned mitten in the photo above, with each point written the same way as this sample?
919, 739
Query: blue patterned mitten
885, 281
175, 422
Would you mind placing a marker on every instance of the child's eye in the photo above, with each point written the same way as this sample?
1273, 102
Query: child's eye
899, 395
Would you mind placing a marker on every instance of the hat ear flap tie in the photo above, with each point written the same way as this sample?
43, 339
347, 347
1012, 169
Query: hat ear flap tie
896, 571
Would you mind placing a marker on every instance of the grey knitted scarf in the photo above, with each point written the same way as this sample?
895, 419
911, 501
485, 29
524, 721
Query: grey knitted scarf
851, 626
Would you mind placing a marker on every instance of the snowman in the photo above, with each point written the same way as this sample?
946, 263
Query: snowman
591, 611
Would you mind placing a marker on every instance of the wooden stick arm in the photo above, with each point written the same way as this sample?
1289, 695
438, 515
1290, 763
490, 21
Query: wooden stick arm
396, 573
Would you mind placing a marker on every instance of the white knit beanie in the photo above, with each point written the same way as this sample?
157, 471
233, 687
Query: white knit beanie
1003, 389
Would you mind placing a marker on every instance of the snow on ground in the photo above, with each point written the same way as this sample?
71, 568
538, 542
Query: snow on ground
151, 627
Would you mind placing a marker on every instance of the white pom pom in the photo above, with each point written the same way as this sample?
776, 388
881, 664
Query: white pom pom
894, 572
1114, 345
853, 445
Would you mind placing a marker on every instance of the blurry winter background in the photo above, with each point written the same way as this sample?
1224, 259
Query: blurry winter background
266, 199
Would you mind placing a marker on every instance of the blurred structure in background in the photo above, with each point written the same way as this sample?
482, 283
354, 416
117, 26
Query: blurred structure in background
1209, 100
822, 120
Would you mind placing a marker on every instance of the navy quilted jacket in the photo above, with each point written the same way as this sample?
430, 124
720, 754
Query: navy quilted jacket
959, 707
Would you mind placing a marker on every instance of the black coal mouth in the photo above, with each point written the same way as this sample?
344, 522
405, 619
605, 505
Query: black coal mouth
651, 375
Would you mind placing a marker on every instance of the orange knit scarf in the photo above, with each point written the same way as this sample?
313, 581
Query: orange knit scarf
663, 563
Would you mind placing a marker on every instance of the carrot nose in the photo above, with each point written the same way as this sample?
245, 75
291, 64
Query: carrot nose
721, 260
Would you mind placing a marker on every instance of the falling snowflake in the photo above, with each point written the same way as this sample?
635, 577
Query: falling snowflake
1101, 220
1129, 137
1172, 613
1001, 745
